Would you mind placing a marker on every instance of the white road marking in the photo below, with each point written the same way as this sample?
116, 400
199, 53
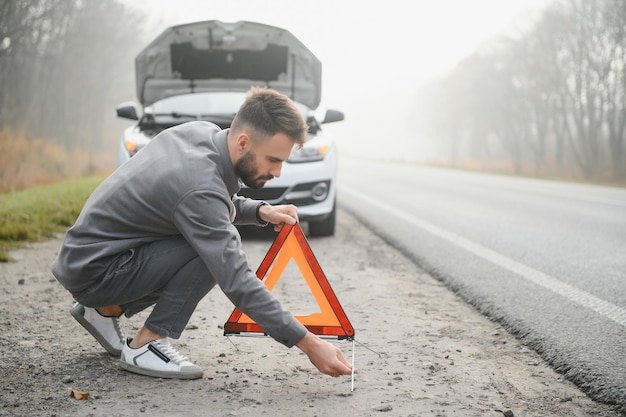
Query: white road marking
573, 294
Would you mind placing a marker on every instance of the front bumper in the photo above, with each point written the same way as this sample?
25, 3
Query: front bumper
315, 200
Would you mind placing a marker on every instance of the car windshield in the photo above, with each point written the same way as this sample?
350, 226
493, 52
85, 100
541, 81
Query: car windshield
204, 104
199, 104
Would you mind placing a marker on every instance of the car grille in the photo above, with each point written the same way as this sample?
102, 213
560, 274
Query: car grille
269, 193
299, 195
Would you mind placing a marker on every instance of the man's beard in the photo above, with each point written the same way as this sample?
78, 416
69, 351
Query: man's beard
247, 171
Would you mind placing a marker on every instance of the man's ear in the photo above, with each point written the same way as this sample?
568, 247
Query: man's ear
244, 142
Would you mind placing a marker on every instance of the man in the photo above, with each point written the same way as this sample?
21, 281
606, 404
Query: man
159, 231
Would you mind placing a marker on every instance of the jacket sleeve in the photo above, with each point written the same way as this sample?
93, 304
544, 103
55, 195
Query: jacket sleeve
246, 211
203, 218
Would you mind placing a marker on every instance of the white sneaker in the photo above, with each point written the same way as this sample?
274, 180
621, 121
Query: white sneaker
158, 359
106, 330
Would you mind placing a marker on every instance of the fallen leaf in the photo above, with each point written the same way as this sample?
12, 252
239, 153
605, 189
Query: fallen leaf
79, 395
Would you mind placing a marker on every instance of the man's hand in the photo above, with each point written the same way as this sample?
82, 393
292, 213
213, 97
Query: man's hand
279, 215
327, 358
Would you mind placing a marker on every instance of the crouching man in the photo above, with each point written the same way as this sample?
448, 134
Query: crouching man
160, 232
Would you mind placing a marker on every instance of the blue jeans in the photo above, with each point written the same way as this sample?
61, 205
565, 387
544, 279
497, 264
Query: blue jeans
168, 274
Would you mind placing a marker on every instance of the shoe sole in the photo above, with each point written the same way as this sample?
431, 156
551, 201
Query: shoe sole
79, 316
159, 374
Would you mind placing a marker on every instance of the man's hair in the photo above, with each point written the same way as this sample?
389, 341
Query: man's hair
267, 112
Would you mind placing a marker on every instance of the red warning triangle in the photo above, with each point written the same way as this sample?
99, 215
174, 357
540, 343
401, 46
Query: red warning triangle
292, 244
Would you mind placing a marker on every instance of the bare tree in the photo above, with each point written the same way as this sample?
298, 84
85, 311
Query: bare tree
62, 63
615, 33
554, 94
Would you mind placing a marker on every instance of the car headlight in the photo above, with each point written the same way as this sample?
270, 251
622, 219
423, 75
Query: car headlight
131, 146
133, 143
309, 152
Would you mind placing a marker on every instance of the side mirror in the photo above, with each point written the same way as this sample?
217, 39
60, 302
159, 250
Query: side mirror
128, 110
333, 116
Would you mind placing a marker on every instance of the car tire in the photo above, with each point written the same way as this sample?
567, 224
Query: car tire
324, 227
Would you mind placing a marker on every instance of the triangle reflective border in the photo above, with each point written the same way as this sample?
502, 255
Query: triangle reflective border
291, 244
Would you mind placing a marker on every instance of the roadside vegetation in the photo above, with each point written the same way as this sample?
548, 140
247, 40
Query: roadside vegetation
37, 213
64, 67
27, 162
545, 100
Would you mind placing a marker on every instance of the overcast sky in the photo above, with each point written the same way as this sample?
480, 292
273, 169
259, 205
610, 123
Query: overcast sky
374, 53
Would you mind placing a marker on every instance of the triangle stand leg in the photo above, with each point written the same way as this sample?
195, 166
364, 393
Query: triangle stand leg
352, 385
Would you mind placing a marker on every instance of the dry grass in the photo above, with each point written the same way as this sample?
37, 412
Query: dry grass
25, 162
547, 172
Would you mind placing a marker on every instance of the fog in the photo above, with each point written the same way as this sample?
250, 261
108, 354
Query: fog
375, 54
525, 87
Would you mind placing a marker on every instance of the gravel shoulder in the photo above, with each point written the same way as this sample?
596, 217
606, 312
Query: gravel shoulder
420, 351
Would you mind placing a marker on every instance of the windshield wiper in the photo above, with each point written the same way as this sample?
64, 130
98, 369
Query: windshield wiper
176, 115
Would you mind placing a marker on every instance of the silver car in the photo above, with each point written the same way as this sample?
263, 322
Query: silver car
202, 71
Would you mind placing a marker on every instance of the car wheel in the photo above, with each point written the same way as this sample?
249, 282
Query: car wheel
324, 227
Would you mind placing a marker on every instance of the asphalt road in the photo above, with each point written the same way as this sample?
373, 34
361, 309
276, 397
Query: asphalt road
547, 259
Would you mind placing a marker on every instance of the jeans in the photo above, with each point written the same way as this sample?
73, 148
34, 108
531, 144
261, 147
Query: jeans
168, 274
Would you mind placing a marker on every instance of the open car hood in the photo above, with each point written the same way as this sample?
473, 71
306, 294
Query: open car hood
217, 56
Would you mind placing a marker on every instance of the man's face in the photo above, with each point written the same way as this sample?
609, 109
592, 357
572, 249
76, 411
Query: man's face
264, 161
248, 171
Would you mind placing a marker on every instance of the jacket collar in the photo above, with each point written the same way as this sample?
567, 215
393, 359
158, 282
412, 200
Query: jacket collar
226, 167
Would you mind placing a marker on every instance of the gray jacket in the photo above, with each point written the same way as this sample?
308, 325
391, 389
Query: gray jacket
182, 183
